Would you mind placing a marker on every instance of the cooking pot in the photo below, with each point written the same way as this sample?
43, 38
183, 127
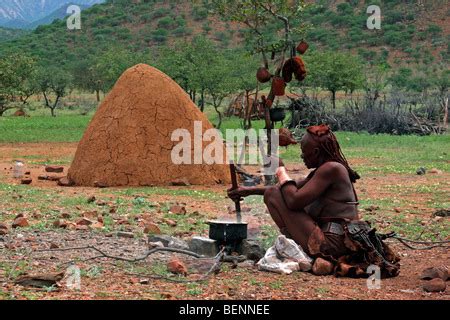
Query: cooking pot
277, 114
227, 231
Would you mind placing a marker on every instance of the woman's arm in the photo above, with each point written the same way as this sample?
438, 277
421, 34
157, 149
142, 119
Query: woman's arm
298, 198
242, 192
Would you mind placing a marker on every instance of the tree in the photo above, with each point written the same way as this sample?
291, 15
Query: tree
335, 72
87, 77
441, 81
243, 68
191, 65
17, 83
100, 73
53, 83
219, 83
257, 16
375, 82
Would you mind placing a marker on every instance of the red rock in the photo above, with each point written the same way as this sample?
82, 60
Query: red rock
435, 272
97, 225
20, 222
36, 216
192, 221
60, 224
177, 267
322, 267
435, 285
26, 181
91, 199
101, 203
65, 215
84, 222
54, 169
178, 209
3, 229
65, 182
170, 222
123, 234
91, 215
53, 246
49, 178
100, 219
152, 228
435, 171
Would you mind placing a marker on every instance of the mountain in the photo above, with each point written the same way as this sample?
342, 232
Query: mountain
412, 32
20, 13
60, 13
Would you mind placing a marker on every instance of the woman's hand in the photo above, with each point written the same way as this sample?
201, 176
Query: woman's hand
238, 194
282, 175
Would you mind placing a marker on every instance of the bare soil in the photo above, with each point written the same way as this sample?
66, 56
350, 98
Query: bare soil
109, 279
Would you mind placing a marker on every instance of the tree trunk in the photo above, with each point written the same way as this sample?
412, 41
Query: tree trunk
216, 107
445, 120
333, 99
247, 114
98, 95
202, 104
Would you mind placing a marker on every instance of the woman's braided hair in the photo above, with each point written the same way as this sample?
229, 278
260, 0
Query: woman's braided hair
329, 146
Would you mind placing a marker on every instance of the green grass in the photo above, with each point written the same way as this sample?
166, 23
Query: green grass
383, 153
389, 154
379, 153
66, 128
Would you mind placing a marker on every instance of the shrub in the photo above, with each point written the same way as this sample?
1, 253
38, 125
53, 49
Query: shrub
199, 13
165, 23
160, 35
161, 12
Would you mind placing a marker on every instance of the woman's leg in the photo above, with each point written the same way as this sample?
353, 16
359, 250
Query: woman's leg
299, 225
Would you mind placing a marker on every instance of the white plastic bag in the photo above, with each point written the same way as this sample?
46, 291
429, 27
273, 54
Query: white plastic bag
285, 257
288, 249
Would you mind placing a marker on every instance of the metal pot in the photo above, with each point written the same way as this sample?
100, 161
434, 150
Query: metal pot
277, 114
227, 231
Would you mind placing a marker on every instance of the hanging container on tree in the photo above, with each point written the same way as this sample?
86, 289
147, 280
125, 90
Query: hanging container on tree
294, 66
302, 47
278, 86
263, 75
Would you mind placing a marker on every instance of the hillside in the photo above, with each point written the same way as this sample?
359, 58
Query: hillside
410, 33
21, 13
7, 34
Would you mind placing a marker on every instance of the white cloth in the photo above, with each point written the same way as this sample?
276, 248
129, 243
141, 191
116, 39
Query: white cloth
285, 257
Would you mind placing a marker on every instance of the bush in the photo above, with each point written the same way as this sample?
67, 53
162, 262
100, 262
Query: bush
160, 35
166, 23
161, 12
389, 119
393, 17
199, 13
434, 29
345, 9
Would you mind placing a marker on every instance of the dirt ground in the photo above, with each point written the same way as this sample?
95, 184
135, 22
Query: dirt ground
391, 201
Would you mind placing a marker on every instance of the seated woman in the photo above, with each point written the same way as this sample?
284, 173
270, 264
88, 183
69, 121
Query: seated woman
314, 211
